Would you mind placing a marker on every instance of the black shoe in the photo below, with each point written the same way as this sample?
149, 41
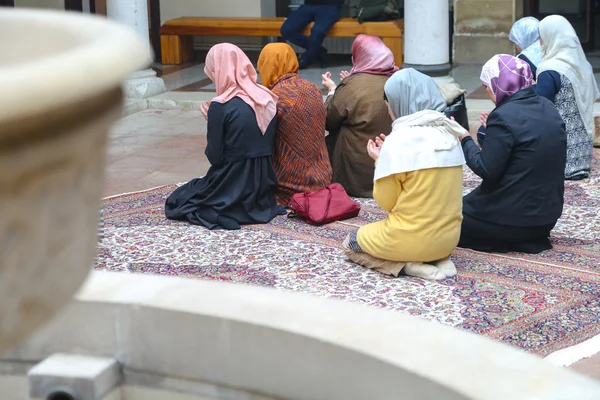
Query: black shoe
322, 57
302, 64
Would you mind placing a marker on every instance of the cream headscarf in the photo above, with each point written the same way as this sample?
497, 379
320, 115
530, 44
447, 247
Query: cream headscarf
422, 137
563, 54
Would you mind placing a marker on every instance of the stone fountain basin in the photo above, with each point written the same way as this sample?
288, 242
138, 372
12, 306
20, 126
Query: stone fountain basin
60, 75
182, 339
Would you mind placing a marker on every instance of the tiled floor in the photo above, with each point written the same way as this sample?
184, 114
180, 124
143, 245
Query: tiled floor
158, 147
155, 147
191, 78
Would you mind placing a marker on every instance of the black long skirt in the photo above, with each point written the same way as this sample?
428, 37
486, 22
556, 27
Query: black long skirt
234, 194
493, 238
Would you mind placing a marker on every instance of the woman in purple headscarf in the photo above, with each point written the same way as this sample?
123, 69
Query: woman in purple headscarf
521, 164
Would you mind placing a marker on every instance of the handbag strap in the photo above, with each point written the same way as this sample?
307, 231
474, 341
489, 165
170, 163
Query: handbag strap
306, 198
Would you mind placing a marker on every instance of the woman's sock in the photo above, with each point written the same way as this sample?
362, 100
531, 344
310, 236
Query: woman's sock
425, 271
446, 266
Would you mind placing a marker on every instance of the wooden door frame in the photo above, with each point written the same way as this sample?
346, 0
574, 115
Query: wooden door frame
155, 22
74, 5
532, 8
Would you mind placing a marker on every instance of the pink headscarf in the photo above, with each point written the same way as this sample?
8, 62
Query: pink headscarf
370, 55
233, 75
505, 75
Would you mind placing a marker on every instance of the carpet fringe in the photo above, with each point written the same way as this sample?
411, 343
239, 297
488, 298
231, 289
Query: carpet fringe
570, 355
140, 191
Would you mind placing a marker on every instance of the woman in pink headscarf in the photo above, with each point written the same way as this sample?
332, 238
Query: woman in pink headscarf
356, 111
239, 187
521, 165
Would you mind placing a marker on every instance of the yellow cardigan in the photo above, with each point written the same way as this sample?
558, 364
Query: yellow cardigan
424, 219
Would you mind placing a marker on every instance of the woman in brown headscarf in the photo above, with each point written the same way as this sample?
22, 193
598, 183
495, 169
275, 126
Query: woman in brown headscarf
300, 156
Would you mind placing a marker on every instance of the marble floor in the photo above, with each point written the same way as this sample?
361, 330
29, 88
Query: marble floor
191, 77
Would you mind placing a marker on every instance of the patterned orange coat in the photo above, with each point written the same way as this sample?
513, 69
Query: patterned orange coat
300, 157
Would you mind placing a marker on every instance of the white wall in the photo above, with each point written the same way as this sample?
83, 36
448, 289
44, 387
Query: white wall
53, 4
170, 9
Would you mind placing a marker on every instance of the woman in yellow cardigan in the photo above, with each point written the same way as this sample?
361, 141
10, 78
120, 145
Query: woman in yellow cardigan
418, 180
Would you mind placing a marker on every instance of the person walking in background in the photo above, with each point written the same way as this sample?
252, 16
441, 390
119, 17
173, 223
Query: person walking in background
324, 13
300, 156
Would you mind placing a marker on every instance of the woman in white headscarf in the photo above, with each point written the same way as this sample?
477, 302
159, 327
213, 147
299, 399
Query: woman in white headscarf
418, 180
566, 78
525, 34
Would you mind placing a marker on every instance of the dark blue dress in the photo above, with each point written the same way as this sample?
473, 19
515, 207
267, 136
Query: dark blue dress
239, 187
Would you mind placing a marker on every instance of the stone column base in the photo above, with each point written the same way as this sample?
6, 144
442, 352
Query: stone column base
143, 84
434, 71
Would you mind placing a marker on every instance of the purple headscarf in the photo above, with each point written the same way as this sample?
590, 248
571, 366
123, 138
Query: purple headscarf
505, 75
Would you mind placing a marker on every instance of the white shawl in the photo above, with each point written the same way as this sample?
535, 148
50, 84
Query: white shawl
423, 140
563, 54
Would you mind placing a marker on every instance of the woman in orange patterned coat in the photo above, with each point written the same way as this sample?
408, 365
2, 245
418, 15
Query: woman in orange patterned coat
300, 157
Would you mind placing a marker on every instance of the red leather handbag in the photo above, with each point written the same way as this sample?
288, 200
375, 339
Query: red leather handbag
324, 206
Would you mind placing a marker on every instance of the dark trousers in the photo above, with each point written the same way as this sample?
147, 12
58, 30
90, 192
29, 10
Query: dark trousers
324, 18
493, 238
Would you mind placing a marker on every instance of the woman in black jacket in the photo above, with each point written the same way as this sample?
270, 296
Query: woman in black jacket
522, 165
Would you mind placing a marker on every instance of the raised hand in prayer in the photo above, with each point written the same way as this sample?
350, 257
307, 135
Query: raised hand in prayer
374, 147
328, 83
483, 118
204, 108
344, 75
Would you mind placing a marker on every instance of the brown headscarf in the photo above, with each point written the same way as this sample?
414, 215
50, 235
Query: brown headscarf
276, 60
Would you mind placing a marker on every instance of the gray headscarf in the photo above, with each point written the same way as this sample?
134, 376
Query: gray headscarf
408, 91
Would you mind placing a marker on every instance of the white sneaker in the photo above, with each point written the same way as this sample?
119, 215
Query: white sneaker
447, 267
425, 271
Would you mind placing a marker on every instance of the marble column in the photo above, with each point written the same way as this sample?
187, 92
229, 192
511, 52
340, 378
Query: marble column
426, 37
134, 13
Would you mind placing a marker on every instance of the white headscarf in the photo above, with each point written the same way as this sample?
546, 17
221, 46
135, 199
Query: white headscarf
563, 54
422, 137
525, 33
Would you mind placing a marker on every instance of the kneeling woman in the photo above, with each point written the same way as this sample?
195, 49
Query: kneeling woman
300, 156
239, 188
418, 180
522, 165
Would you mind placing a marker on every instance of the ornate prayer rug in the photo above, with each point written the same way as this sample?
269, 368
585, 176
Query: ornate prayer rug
539, 303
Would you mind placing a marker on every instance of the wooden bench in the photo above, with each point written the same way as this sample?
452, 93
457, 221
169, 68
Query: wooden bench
176, 35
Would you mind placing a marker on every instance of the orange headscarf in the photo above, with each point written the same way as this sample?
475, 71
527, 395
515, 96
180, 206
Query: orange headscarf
276, 60
233, 75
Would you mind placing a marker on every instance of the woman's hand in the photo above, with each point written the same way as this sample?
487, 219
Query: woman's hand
328, 83
204, 108
344, 75
483, 118
464, 135
374, 147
